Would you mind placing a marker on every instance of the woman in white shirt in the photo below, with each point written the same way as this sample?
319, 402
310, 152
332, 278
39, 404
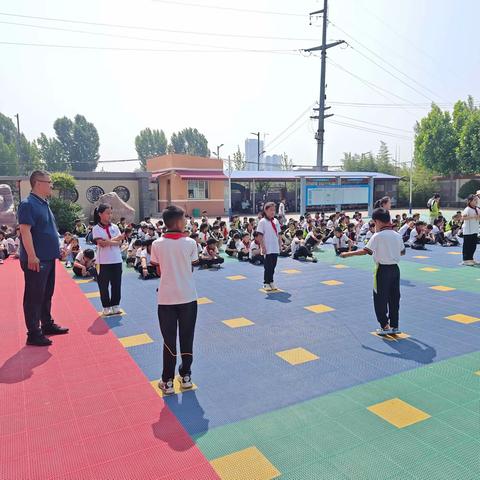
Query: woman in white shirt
470, 217
107, 237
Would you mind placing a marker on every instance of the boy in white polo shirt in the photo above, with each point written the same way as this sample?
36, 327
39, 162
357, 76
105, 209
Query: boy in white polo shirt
174, 254
270, 241
387, 247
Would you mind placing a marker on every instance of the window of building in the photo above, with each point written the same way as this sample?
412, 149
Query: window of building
198, 189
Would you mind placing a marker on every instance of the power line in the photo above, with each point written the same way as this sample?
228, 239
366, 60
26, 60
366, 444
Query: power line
290, 134
241, 10
385, 61
374, 124
391, 105
149, 50
155, 29
371, 130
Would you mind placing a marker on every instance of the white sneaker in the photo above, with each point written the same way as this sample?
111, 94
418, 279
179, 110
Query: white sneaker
186, 381
1, 261
273, 286
267, 287
468, 263
116, 310
106, 311
166, 387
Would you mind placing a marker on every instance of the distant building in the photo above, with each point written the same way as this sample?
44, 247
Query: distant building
251, 154
272, 162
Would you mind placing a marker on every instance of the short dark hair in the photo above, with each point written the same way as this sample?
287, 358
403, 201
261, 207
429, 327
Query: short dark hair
147, 243
236, 235
338, 230
36, 175
419, 223
298, 232
381, 214
211, 241
194, 235
89, 253
172, 214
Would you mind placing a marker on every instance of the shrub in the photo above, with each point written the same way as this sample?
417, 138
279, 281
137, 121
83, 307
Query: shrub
65, 213
469, 187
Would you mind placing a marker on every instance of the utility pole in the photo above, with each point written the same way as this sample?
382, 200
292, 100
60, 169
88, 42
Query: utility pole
257, 134
320, 134
218, 150
20, 166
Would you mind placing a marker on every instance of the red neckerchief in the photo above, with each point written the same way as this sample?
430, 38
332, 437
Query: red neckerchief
387, 227
272, 221
174, 235
106, 228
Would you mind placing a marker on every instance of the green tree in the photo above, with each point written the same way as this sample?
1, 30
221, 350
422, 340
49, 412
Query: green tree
64, 210
436, 141
239, 162
75, 146
472, 186
150, 143
423, 185
52, 154
468, 149
8, 158
189, 141
367, 162
286, 163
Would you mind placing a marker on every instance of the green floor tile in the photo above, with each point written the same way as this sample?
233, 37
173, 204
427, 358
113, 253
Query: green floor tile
315, 471
441, 467
466, 454
428, 401
437, 434
455, 393
463, 420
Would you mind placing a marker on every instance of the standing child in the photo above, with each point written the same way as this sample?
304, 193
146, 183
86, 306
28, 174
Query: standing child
470, 217
387, 247
107, 237
269, 228
174, 254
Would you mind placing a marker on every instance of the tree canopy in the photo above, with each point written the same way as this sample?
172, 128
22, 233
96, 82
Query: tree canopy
189, 141
368, 162
150, 143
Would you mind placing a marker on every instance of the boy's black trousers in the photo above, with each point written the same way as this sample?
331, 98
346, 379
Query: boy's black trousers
386, 294
182, 316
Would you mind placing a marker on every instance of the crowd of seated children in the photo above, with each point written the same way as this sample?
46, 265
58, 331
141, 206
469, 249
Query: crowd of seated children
3, 247
84, 264
80, 229
299, 249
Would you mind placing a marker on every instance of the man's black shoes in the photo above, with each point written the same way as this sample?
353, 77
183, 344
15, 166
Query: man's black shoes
40, 341
54, 329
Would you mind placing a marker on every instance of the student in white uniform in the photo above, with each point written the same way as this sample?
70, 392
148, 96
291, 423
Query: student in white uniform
269, 228
175, 254
107, 237
470, 217
387, 247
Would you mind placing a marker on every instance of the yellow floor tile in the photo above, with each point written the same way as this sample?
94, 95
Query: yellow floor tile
86, 280
340, 265
429, 269
332, 282
291, 271
247, 464
238, 322
420, 256
297, 356
134, 340
392, 338
477, 373
278, 290
236, 277
398, 413
442, 288
176, 386
320, 308
461, 318
92, 294
454, 253
204, 300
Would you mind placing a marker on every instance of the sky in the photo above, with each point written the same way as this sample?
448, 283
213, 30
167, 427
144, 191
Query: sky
189, 64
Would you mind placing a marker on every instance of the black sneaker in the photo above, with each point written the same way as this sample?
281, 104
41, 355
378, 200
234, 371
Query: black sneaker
54, 329
40, 341
185, 381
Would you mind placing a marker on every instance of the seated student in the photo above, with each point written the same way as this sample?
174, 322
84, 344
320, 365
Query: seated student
217, 235
370, 231
406, 229
145, 267
243, 248
404, 218
142, 231
194, 236
438, 231
80, 229
417, 238
13, 243
313, 239
351, 234
429, 236
72, 251
396, 224
204, 218
451, 237
456, 220
299, 249
84, 264
151, 233
224, 231
255, 250
89, 235
231, 248
122, 224
126, 242
210, 256
342, 243
159, 228
363, 230
250, 229
132, 248
3, 247
203, 233
286, 242
67, 238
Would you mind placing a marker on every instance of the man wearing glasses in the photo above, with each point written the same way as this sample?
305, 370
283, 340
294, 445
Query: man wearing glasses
39, 250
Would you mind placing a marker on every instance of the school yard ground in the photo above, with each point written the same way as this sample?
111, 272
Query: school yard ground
291, 385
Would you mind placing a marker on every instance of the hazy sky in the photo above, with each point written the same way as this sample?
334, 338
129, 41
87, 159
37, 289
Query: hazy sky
217, 84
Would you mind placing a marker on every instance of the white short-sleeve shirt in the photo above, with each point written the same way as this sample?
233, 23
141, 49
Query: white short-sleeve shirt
111, 254
386, 247
270, 236
470, 227
175, 259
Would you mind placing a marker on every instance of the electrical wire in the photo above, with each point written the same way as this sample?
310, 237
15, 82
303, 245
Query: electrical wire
289, 135
370, 130
371, 123
158, 29
233, 9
